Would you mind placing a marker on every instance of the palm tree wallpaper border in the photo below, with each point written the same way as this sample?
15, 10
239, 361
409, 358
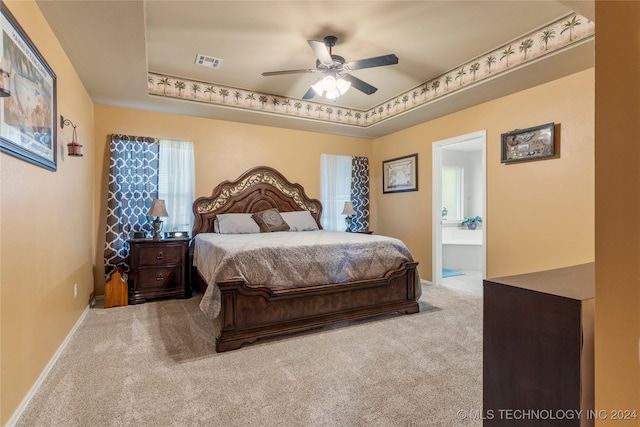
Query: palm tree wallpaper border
567, 32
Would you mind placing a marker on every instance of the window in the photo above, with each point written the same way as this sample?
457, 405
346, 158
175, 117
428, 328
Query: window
176, 184
142, 169
335, 189
342, 179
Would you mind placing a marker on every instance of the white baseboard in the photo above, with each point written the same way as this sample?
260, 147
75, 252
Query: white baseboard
95, 299
18, 412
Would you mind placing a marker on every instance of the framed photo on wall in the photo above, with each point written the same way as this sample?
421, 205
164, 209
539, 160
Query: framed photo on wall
28, 115
528, 144
400, 174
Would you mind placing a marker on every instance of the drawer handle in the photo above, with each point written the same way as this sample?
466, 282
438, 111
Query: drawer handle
159, 277
160, 255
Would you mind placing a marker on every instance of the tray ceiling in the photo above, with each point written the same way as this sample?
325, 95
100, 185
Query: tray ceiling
130, 39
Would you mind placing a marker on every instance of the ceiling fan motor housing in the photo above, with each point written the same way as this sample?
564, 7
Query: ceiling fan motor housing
338, 62
330, 41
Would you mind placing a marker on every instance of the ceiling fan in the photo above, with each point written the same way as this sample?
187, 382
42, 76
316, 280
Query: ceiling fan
336, 80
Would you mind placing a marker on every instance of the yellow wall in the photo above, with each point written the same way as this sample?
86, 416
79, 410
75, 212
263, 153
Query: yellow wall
223, 150
46, 226
539, 202
539, 214
617, 207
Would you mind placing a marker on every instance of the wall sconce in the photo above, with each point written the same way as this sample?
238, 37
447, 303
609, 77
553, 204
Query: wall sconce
75, 149
4, 78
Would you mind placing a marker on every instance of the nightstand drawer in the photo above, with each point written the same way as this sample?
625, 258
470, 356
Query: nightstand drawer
159, 255
160, 277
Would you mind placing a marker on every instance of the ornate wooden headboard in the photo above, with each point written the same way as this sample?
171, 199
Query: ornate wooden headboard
260, 188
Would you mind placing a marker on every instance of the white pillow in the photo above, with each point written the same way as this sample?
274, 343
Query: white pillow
300, 221
237, 223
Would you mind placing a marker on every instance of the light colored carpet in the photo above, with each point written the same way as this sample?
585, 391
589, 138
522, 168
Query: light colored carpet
155, 365
470, 282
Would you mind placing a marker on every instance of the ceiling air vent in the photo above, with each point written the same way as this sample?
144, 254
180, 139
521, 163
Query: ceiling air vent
208, 61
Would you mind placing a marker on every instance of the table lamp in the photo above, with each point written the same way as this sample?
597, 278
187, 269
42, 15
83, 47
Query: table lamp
158, 210
349, 212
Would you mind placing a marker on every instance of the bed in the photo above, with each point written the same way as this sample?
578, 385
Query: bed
248, 301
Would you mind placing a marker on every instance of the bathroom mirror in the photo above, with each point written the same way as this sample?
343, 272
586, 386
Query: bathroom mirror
452, 193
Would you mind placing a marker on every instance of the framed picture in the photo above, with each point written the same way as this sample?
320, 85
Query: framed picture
28, 115
528, 144
400, 174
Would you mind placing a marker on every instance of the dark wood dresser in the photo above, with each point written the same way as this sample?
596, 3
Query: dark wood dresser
158, 269
538, 348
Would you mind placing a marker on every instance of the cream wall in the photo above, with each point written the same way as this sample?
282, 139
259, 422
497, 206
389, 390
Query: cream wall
539, 214
223, 150
46, 229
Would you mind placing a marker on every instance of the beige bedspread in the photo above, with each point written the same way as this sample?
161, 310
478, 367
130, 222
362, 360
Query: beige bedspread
283, 260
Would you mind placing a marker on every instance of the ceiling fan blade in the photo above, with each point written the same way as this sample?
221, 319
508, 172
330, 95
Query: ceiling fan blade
278, 73
321, 51
378, 61
310, 94
359, 84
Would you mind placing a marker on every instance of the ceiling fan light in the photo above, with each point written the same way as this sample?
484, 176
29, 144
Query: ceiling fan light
318, 87
331, 88
332, 94
343, 85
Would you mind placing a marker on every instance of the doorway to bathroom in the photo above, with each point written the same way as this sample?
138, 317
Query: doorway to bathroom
459, 198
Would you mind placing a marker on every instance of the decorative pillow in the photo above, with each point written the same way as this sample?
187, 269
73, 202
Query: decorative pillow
270, 220
300, 221
237, 223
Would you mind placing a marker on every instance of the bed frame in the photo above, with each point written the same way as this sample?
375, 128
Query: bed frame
249, 313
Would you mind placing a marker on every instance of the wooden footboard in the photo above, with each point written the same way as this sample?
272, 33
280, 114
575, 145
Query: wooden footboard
249, 313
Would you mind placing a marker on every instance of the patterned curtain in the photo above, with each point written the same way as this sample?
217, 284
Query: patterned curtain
133, 183
360, 193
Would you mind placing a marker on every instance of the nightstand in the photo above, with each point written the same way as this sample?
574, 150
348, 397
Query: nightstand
158, 269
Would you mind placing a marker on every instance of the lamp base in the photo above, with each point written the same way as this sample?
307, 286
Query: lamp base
348, 221
157, 228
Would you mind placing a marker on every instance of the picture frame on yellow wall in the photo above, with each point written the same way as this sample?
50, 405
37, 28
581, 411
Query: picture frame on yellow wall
400, 174
528, 144
28, 125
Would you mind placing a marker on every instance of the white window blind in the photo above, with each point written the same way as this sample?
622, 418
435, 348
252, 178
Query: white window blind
176, 184
335, 189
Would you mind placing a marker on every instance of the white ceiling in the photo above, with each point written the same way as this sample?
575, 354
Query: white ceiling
112, 45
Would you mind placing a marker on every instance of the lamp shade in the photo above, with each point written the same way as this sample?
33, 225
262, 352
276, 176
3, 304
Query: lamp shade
348, 209
158, 208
